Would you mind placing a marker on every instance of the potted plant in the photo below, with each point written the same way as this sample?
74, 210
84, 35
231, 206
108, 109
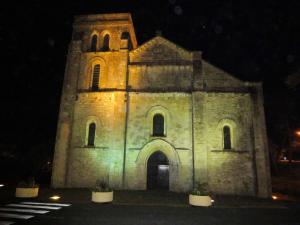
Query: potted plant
27, 189
200, 196
102, 192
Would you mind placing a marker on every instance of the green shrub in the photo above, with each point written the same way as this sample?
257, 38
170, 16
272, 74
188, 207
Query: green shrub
29, 183
102, 186
200, 189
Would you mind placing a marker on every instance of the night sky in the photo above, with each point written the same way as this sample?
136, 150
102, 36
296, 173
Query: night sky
253, 40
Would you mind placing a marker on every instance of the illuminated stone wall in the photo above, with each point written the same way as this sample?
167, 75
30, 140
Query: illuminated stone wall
176, 109
226, 171
87, 164
195, 98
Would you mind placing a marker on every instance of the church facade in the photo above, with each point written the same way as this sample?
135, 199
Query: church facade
155, 115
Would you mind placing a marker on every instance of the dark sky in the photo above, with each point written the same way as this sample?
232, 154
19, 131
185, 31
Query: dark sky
254, 40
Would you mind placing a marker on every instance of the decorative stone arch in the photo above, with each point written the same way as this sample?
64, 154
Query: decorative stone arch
169, 151
158, 109
233, 131
101, 39
91, 38
89, 70
86, 123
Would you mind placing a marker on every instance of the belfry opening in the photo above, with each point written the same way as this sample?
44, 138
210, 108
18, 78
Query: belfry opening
158, 172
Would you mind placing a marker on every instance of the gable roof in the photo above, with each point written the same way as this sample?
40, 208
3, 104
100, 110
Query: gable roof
162, 48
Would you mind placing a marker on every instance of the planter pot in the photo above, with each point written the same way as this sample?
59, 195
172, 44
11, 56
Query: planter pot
197, 200
102, 197
27, 192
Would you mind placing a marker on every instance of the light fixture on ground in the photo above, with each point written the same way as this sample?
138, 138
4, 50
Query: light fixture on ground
274, 197
55, 197
1, 185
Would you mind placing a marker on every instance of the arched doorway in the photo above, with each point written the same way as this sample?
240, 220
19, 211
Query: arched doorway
158, 171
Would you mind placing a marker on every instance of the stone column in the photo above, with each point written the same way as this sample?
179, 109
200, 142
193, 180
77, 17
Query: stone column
261, 144
200, 149
65, 121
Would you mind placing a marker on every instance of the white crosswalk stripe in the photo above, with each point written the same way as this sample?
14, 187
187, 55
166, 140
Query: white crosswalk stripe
23, 210
11, 210
6, 222
33, 206
42, 203
16, 216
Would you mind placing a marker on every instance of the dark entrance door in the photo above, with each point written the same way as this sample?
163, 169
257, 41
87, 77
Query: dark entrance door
158, 171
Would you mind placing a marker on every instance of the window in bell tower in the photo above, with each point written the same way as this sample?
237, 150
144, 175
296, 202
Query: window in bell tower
126, 36
94, 43
105, 46
96, 77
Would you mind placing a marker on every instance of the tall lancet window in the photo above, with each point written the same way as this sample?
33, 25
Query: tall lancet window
158, 125
94, 43
105, 46
96, 77
227, 137
91, 134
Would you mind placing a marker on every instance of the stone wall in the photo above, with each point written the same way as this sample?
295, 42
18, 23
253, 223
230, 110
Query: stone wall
226, 171
113, 69
104, 160
160, 77
176, 109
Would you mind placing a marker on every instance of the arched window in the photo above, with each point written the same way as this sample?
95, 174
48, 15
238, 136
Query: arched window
105, 46
91, 134
158, 125
126, 36
96, 77
94, 43
227, 137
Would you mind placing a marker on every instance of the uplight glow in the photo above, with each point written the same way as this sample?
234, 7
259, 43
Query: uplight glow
1, 185
55, 197
274, 197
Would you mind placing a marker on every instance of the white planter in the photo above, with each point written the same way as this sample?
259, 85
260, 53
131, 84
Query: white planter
197, 200
101, 197
27, 192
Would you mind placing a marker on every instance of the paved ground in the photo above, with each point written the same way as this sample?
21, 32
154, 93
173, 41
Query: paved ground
109, 214
149, 208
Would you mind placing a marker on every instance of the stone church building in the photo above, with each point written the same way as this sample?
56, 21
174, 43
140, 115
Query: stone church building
155, 116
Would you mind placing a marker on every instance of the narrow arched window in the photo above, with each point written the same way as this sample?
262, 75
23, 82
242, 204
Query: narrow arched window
96, 77
105, 46
158, 125
94, 43
126, 36
91, 134
227, 137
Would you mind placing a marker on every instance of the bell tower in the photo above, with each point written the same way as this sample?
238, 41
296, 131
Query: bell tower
95, 74
105, 32
106, 40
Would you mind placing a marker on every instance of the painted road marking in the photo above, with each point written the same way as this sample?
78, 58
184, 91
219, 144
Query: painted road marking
42, 203
33, 206
24, 210
6, 222
16, 216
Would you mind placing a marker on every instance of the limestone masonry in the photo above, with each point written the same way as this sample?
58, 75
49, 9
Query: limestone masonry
121, 103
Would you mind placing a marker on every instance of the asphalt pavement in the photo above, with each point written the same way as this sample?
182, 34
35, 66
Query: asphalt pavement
143, 208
